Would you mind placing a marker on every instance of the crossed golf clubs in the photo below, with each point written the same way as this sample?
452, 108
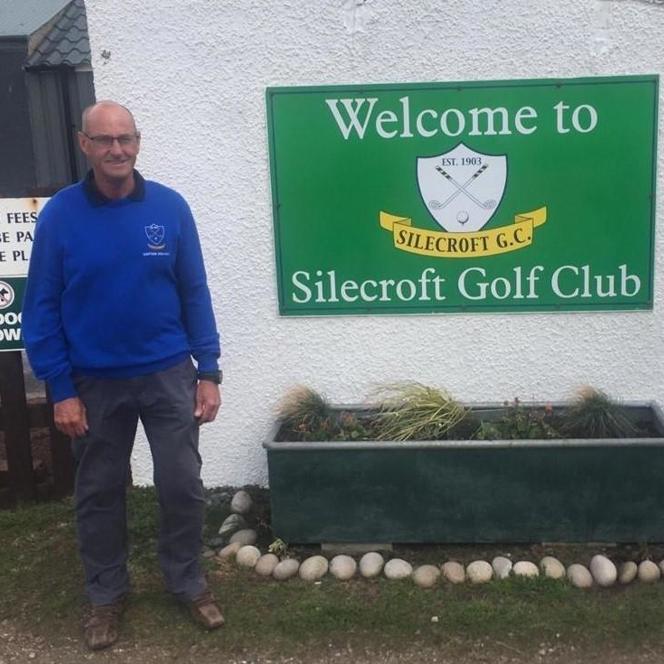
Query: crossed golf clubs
462, 189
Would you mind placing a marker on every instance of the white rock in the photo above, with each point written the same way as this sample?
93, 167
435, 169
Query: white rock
241, 503
579, 576
286, 569
343, 567
244, 537
398, 569
371, 564
232, 523
525, 568
603, 570
314, 568
479, 571
649, 572
229, 550
552, 568
426, 576
453, 572
266, 564
501, 567
627, 572
247, 556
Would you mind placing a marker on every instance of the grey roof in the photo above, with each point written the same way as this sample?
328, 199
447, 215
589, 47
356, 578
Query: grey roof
20, 18
66, 43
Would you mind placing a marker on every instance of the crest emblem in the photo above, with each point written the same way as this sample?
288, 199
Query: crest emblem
155, 235
462, 188
6, 295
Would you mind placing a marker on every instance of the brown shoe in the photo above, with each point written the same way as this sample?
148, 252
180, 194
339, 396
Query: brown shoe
206, 611
101, 629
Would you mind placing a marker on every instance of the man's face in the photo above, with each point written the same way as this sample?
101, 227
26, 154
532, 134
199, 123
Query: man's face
111, 160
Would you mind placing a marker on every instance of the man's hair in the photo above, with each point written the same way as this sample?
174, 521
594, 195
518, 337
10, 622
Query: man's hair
104, 102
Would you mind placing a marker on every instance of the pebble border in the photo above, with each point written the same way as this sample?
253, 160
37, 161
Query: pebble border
428, 575
601, 572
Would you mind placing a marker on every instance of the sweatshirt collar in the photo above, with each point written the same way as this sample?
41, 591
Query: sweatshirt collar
96, 198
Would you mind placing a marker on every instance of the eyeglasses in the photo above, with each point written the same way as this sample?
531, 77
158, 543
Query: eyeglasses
106, 141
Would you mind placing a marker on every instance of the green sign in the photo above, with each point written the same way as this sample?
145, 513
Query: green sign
533, 195
18, 217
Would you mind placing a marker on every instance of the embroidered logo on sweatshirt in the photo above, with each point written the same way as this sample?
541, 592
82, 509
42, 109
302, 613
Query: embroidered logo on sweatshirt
155, 234
156, 241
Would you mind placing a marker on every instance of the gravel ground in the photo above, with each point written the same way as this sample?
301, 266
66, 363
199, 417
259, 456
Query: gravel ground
17, 647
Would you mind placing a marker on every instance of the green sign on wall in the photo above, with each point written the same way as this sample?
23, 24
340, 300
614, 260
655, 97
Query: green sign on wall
18, 217
533, 195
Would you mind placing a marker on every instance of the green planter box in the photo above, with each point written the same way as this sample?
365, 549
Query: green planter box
471, 491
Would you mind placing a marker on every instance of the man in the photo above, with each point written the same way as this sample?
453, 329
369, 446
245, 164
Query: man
116, 304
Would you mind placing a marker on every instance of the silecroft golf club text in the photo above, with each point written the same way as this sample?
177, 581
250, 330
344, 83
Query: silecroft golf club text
566, 282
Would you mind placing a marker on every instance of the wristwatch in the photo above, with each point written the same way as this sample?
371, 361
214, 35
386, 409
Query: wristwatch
213, 376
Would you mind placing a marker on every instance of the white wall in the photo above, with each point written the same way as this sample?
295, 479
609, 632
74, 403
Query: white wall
195, 74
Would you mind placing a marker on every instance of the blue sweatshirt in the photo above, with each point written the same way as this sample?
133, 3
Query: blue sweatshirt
116, 288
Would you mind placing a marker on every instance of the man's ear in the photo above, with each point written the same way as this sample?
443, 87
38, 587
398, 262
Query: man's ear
83, 142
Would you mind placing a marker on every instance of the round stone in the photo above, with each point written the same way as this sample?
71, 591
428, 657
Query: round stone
552, 568
648, 572
479, 571
314, 568
627, 572
579, 576
603, 570
247, 556
229, 550
343, 567
371, 565
426, 576
453, 572
286, 569
525, 568
266, 564
398, 569
244, 537
501, 567
241, 502
232, 523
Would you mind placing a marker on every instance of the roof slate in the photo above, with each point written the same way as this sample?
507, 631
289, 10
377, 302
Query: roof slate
66, 43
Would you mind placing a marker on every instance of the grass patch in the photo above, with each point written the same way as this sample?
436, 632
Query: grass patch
41, 581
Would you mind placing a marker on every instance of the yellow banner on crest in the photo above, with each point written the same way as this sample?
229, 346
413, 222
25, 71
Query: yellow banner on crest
441, 244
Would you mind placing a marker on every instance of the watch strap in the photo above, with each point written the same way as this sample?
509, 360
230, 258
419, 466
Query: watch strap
212, 376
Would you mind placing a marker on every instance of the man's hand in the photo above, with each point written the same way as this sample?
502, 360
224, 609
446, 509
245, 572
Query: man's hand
70, 417
208, 400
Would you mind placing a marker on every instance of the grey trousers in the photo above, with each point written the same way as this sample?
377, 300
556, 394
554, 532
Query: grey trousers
164, 402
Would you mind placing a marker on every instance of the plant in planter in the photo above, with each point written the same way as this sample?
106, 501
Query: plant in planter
307, 416
594, 415
419, 467
303, 411
411, 411
519, 422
